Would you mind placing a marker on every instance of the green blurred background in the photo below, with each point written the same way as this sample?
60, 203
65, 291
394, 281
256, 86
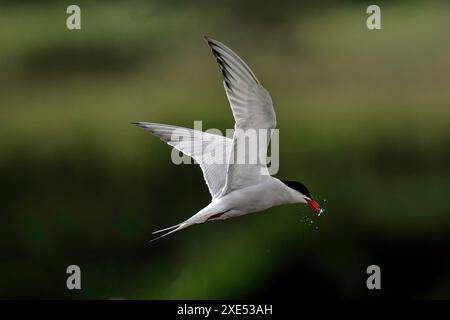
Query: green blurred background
364, 120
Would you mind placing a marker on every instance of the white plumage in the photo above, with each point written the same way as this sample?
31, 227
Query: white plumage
236, 188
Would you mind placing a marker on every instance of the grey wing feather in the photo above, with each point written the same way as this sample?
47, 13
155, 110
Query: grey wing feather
252, 108
203, 147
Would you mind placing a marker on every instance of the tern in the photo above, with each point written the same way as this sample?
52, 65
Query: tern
236, 188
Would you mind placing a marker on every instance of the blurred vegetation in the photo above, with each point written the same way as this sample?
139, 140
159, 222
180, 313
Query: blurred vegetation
365, 123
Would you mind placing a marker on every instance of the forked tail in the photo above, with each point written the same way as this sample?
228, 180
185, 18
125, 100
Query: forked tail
172, 229
199, 217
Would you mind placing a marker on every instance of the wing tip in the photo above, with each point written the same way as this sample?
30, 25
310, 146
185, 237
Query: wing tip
206, 38
214, 44
138, 124
143, 125
210, 41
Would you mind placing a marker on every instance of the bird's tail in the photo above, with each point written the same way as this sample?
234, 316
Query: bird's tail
172, 229
166, 229
195, 219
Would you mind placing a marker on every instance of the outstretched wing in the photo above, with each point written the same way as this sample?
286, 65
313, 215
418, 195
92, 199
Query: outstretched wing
210, 151
252, 109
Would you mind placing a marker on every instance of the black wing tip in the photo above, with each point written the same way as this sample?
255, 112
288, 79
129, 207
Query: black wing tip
138, 124
211, 42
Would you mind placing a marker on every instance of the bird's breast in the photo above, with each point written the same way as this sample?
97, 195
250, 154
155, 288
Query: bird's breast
255, 198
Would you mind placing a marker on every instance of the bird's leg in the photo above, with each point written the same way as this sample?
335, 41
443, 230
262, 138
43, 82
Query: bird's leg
216, 216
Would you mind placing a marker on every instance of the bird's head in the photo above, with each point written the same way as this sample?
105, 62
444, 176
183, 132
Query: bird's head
303, 194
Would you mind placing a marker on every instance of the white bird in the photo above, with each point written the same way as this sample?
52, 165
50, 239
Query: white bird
236, 188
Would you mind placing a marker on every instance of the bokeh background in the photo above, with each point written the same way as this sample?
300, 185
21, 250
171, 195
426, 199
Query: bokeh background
364, 120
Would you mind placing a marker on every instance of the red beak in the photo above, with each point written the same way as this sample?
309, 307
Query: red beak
313, 204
